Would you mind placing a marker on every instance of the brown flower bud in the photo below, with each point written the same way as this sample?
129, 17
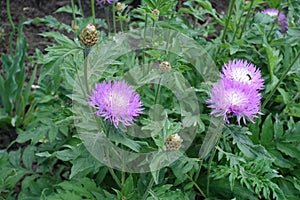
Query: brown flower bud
173, 143
89, 35
165, 66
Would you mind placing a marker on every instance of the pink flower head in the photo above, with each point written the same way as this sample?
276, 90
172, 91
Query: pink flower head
231, 98
116, 102
243, 72
281, 19
105, 2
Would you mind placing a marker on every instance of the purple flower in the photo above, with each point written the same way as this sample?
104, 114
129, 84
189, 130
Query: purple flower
231, 98
243, 72
116, 102
281, 19
105, 2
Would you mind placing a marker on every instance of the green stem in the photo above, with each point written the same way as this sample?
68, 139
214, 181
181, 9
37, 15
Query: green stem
228, 19
107, 18
9, 15
99, 122
198, 172
209, 167
144, 45
80, 7
85, 69
73, 12
197, 186
114, 17
280, 80
157, 91
247, 17
93, 11
273, 24
11, 24
148, 189
121, 24
237, 28
115, 177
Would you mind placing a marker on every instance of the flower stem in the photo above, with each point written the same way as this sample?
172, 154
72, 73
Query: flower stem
209, 167
115, 177
157, 91
114, 17
121, 24
93, 11
80, 7
148, 189
107, 18
247, 17
273, 24
144, 45
280, 80
228, 19
11, 24
85, 69
197, 186
73, 12
9, 15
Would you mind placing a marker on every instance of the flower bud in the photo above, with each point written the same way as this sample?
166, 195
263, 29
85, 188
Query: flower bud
173, 143
165, 66
89, 35
119, 6
155, 12
75, 26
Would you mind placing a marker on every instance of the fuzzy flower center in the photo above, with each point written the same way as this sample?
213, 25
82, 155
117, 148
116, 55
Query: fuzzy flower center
235, 100
241, 75
118, 103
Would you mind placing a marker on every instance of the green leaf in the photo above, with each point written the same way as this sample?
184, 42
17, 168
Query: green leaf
278, 128
68, 9
293, 110
28, 156
82, 166
212, 136
266, 136
122, 138
66, 155
128, 189
51, 22
45, 154
247, 147
289, 149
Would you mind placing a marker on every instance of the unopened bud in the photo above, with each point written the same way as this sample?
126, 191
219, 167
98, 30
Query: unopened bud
119, 6
89, 35
165, 66
155, 12
75, 26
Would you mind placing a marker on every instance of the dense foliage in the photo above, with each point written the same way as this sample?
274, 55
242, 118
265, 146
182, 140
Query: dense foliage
171, 53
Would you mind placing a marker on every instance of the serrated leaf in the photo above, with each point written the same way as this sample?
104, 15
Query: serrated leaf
248, 148
68, 9
288, 149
